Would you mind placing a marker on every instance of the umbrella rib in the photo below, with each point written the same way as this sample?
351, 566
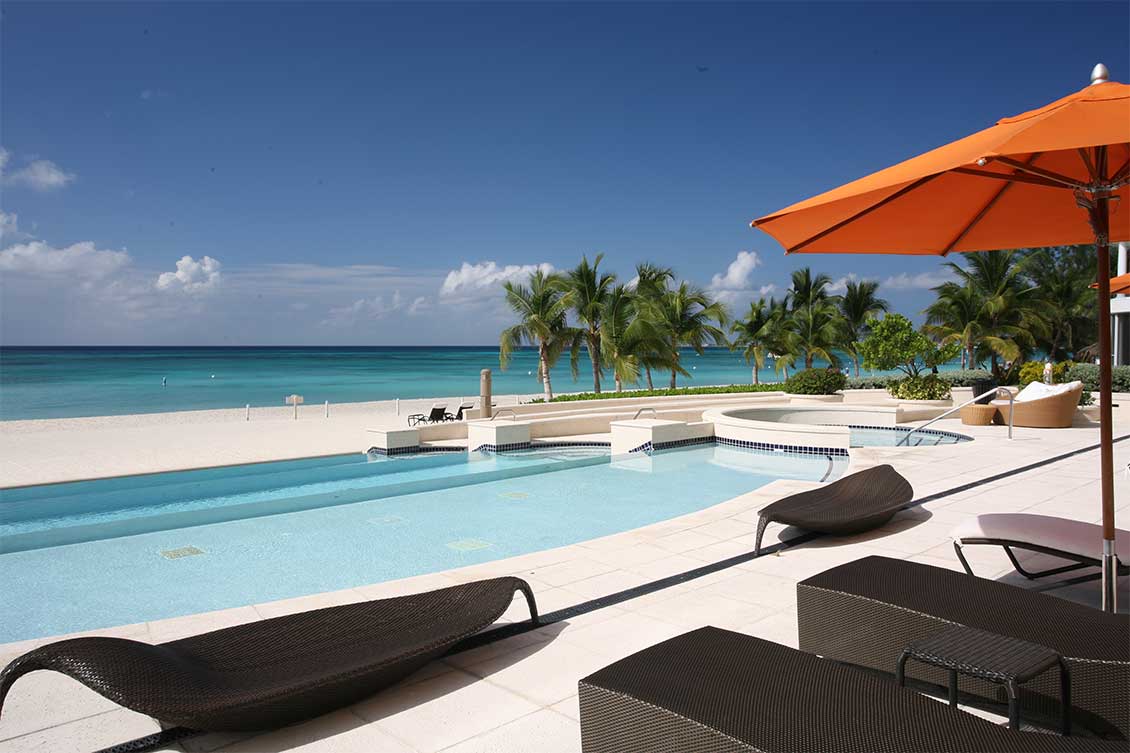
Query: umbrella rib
1049, 174
864, 212
1090, 165
1011, 177
985, 209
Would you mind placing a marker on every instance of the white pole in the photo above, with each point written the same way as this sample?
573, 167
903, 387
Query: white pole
398, 406
327, 409
249, 411
295, 410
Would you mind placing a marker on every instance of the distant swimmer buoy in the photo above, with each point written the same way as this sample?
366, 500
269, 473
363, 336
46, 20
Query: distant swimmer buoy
164, 381
213, 376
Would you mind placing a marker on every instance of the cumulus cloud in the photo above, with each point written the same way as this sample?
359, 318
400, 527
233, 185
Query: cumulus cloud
839, 286
5, 155
192, 276
739, 274
921, 281
475, 280
80, 261
39, 175
10, 229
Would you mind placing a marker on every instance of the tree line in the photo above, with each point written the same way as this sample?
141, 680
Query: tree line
1000, 308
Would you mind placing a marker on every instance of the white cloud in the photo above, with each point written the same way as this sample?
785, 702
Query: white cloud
39, 175
369, 309
5, 155
475, 280
80, 261
921, 281
191, 276
10, 228
838, 287
148, 94
738, 275
419, 305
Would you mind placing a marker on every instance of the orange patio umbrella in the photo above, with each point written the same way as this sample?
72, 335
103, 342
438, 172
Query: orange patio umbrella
1120, 284
1057, 175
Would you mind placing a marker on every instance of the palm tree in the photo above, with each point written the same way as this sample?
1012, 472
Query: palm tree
808, 289
858, 304
588, 292
1007, 318
688, 316
818, 328
1065, 300
756, 335
785, 343
542, 309
620, 335
955, 317
651, 283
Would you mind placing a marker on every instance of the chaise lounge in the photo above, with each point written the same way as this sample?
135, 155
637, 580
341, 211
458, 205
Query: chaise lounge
1041, 406
867, 611
854, 504
279, 671
1073, 540
725, 692
437, 414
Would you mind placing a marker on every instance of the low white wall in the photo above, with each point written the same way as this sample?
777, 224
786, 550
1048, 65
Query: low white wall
630, 435
394, 439
496, 433
862, 415
732, 424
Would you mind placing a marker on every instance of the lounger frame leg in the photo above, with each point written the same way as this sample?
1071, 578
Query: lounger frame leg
530, 602
762, 524
1013, 692
961, 557
1065, 696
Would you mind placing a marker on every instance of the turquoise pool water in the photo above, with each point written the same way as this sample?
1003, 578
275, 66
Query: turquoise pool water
93, 554
884, 436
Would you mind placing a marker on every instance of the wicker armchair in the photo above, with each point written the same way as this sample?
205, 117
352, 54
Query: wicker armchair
1053, 412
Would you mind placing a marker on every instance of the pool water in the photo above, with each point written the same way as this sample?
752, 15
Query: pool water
891, 436
94, 554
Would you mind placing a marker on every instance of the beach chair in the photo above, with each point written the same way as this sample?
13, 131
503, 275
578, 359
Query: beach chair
854, 504
459, 413
868, 611
725, 692
438, 414
1073, 540
282, 670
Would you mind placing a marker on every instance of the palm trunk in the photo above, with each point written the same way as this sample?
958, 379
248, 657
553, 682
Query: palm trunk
544, 368
808, 359
619, 384
647, 370
675, 356
594, 356
856, 359
756, 379
970, 352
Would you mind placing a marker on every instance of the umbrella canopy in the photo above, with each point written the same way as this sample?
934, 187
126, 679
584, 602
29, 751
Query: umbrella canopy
1057, 175
1120, 284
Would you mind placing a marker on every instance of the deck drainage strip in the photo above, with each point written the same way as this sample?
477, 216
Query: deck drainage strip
487, 637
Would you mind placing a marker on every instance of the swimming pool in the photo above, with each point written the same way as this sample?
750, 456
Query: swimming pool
891, 436
162, 545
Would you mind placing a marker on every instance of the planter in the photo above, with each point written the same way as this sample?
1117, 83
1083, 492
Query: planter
1091, 412
981, 386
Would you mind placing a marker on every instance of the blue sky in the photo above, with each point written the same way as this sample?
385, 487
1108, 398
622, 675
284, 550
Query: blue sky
366, 173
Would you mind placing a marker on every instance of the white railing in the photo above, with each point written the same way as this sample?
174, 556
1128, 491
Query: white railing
993, 391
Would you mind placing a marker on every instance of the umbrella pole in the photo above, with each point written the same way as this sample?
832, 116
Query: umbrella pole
1101, 220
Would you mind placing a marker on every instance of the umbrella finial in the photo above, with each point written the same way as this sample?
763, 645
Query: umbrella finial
1099, 74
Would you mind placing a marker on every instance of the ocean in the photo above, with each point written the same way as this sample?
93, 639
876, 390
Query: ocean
53, 382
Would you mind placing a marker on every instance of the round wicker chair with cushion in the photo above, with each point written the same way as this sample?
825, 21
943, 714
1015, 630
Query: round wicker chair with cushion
1050, 411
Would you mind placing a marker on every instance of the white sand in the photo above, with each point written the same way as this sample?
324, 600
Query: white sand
69, 449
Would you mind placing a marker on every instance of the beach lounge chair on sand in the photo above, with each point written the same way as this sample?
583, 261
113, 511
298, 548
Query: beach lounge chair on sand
867, 611
1041, 406
459, 413
1073, 540
275, 672
725, 692
436, 415
854, 504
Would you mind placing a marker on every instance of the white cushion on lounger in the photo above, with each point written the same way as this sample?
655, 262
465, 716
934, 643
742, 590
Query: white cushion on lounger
1039, 390
1084, 539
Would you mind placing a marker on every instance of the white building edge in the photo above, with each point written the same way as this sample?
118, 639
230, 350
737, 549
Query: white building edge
1120, 314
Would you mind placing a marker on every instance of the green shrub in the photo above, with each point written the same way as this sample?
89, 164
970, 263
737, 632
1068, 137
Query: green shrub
1033, 371
965, 377
869, 383
815, 382
1088, 374
770, 387
928, 387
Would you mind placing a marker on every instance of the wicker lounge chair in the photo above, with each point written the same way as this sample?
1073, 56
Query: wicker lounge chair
724, 692
1073, 540
274, 672
1052, 412
855, 503
867, 611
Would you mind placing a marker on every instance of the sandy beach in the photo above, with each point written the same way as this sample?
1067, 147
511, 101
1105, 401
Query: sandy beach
73, 449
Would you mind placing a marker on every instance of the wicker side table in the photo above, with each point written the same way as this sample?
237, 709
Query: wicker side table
978, 415
997, 658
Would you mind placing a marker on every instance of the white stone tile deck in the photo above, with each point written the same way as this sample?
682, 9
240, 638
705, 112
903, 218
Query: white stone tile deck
520, 694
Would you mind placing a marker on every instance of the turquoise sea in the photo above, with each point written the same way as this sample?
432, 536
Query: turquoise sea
52, 382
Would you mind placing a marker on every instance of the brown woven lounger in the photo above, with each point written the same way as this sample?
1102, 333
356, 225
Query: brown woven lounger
867, 611
854, 504
723, 692
274, 672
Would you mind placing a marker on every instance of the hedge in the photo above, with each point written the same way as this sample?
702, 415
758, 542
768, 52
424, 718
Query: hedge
815, 382
1088, 374
957, 378
769, 387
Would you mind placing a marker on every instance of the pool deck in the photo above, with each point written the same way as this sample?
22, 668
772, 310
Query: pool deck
520, 694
